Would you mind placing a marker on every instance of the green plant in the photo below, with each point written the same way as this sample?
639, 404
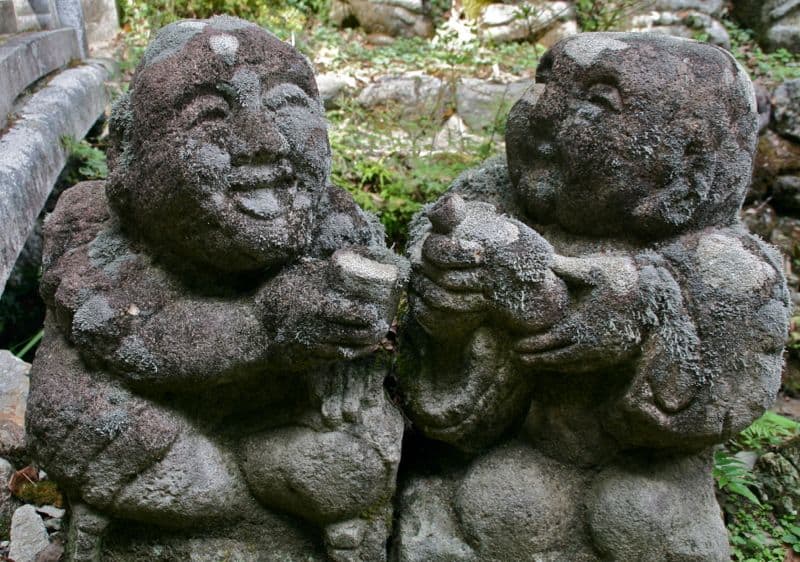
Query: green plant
771, 68
732, 475
767, 431
605, 15
474, 8
88, 161
22, 349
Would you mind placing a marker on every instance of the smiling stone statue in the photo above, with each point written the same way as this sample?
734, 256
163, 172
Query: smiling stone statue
208, 374
590, 317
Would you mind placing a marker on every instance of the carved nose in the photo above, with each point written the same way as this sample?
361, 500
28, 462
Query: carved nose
262, 140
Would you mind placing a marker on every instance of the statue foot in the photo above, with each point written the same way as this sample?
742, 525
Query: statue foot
356, 540
86, 530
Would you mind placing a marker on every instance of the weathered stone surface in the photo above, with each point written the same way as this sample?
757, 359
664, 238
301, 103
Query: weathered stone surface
522, 21
28, 535
482, 104
786, 102
26, 58
624, 499
31, 153
36, 15
14, 386
218, 265
395, 18
711, 7
331, 86
779, 473
8, 19
101, 20
688, 25
567, 309
8, 503
776, 156
776, 22
414, 93
764, 106
70, 14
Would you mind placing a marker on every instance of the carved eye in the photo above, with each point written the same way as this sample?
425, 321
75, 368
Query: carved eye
605, 96
208, 109
286, 94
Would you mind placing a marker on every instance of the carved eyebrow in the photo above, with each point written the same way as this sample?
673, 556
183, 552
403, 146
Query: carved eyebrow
286, 93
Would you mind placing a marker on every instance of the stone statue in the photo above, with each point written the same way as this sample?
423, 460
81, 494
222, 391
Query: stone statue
590, 317
208, 374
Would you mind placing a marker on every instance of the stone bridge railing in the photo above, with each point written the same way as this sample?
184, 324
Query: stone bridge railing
48, 90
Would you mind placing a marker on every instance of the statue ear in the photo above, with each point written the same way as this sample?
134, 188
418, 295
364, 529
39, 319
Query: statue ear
119, 129
676, 203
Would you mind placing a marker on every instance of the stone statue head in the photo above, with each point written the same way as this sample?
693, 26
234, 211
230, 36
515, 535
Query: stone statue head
633, 133
219, 151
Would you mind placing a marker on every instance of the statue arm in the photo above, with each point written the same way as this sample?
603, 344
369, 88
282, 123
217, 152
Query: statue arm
712, 358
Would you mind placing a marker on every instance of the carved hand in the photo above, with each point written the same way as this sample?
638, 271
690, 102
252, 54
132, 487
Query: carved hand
478, 266
603, 326
339, 308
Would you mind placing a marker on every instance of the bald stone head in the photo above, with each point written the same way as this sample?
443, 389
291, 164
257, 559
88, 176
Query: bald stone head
219, 151
633, 134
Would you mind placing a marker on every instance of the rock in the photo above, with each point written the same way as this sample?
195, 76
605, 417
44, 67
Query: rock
415, 94
764, 106
396, 18
777, 157
558, 32
28, 535
778, 472
14, 386
786, 236
52, 553
483, 104
51, 511
760, 218
8, 504
452, 135
689, 25
523, 21
776, 22
710, 7
786, 103
331, 86
101, 20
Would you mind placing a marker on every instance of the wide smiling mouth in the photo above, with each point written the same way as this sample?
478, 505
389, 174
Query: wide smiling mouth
250, 177
259, 189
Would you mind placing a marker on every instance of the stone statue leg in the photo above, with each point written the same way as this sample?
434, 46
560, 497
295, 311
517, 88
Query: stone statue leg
86, 530
658, 509
125, 455
514, 503
338, 471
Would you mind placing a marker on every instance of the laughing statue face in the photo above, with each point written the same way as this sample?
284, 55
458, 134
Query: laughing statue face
220, 151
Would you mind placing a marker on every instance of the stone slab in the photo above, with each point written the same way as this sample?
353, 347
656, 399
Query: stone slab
27, 57
70, 14
32, 155
14, 385
101, 20
28, 535
480, 103
8, 18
